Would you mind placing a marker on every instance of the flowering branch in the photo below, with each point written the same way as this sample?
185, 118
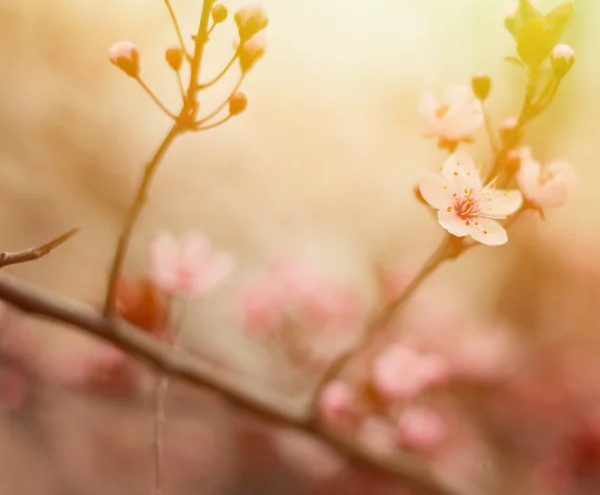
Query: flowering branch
32, 254
175, 363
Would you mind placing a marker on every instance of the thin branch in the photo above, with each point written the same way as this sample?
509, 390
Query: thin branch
177, 29
32, 254
180, 86
489, 129
218, 77
131, 219
234, 390
216, 111
155, 99
216, 124
187, 113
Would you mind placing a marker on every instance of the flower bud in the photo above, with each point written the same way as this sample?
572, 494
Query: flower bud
174, 56
250, 19
562, 59
219, 13
237, 103
250, 51
125, 56
481, 85
510, 132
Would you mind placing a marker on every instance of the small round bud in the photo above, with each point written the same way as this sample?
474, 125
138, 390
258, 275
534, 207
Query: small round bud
510, 132
237, 103
219, 13
174, 57
250, 52
126, 57
481, 85
250, 19
562, 59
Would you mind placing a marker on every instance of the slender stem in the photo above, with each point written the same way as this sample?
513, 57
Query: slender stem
216, 111
132, 216
31, 254
180, 85
177, 29
218, 77
216, 124
450, 247
489, 129
160, 105
188, 111
201, 39
162, 384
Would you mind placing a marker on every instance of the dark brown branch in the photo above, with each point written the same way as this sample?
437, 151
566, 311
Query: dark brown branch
235, 390
35, 253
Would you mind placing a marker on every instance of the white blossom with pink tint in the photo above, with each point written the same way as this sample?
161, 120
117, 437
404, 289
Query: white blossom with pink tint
335, 402
250, 19
454, 118
548, 186
401, 373
420, 428
467, 207
125, 55
188, 267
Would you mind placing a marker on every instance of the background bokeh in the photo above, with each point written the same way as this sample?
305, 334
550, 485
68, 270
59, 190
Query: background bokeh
321, 166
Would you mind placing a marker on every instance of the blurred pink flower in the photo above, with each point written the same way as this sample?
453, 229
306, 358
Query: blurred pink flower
455, 118
420, 428
13, 389
293, 294
335, 402
546, 187
400, 373
465, 206
188, 268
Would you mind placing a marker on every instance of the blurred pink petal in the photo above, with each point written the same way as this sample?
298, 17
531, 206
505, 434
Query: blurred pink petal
335, 402
420, 428
13, 389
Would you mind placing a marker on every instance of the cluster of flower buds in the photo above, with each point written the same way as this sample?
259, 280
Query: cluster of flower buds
250, 45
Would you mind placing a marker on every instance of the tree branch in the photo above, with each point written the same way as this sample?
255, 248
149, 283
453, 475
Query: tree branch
234, 390
35, 253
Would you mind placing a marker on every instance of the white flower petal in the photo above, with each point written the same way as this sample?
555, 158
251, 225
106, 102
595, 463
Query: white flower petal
488, 231
164, 260
434, 189
460, 164
457, 95
529, 175
500, 204
455, 225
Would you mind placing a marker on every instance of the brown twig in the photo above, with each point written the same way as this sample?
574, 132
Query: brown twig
236, 391
32, 254
187, 114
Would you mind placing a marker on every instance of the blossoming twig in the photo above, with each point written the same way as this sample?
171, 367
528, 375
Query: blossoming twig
177, 29
188, 111
8, 258
181, 365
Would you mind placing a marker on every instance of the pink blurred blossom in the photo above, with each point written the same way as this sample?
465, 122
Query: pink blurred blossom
189, 267
13, 389
401, 373
335, 402
420, 428
548, 186
125, 55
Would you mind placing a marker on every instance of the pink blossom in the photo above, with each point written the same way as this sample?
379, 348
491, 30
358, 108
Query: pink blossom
125, 55
335, 402
400, 373
546, 187
465, 206
420, 428
187, 268
293, 294
455, 118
